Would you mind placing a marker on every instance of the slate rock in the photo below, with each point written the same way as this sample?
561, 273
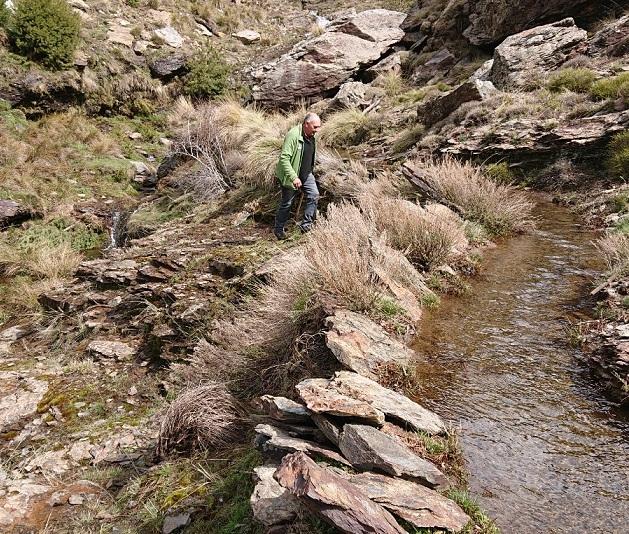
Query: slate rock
336, 500
367, 448
283, 409
271, 504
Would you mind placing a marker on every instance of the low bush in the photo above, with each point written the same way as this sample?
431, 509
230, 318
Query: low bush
501, 209
618, 156
612, 88
46, 31
577, 80
349, 127
208, 76
5, 14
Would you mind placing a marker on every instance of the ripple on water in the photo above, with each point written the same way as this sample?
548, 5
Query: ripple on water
547, 453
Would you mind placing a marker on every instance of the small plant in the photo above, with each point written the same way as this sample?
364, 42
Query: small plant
471, 508
46, 31
612, 88
577, 80
208, 77
5, 14
618, 156
500, 172
133, 3
388, 307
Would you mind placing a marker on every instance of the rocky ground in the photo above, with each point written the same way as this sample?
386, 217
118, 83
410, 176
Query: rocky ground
93, 355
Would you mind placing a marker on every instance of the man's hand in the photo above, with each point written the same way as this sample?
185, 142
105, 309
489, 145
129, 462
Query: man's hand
297, 183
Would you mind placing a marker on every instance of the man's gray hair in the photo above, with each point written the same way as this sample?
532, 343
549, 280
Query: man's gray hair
310, 116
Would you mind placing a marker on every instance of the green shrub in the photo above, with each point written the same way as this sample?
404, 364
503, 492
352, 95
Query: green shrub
4, 14
208, 76
46, 31
578, 80
614, 87
500, 172
618, 158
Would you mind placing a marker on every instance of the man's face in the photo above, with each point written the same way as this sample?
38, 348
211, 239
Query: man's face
311, 127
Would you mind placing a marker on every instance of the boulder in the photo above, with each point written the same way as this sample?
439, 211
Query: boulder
19, 397
271, 504
170, 36
367, 448
350, 95
361, 345
389, 65
169, 66
12, 213
346, 386
102, 348
330, 496
247, 36
612, 40
491, 21
317, 66
277, 442
420, 506
321, 397
109, 271
283, 409
523, 58
119, 34
144, 176
438, 108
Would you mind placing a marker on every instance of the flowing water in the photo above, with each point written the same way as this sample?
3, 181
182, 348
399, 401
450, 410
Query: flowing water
546, 451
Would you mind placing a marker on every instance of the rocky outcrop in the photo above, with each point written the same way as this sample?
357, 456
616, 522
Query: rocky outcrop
361, 345
367, 448
611, 41
283, 409
533, 140
20, 397
334, 498
522, 59
317, 66
12, 213
438, 108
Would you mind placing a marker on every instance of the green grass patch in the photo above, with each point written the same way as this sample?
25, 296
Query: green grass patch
388, 307
500, 172
57, 232
618, 156
578, 80
480, 522
612, 88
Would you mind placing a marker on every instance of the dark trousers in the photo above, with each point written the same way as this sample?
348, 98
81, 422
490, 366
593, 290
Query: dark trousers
309, 187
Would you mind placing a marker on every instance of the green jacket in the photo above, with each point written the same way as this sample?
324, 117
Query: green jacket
287, 168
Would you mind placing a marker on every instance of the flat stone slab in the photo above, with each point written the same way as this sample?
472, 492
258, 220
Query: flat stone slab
19, 398
283, 409
367, 448
278, 442
271, 504
348, 394
420, 506
361, 345
332, 497
111, 349
321, 398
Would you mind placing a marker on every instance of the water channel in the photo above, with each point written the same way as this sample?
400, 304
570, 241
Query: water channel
547, 453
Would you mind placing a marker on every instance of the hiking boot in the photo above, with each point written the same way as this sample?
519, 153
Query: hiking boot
304, 229
280, 234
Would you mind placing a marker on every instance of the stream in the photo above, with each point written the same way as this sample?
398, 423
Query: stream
546, 451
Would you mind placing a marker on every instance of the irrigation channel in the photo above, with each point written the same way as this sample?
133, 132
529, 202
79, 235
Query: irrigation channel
545, 450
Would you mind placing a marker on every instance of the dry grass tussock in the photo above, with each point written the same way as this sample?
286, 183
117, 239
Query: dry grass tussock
427, 238
502, 209
232, 144
203, 417
45, 261
614, 247
349, 127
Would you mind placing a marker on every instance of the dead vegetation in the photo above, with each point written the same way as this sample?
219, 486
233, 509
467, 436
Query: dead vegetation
502, 209
203, 417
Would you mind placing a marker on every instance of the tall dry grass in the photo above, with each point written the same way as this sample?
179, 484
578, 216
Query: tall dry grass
427, 238
614, 248
502, 209
349, 127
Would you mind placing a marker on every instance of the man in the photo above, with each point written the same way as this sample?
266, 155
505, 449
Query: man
295, 172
